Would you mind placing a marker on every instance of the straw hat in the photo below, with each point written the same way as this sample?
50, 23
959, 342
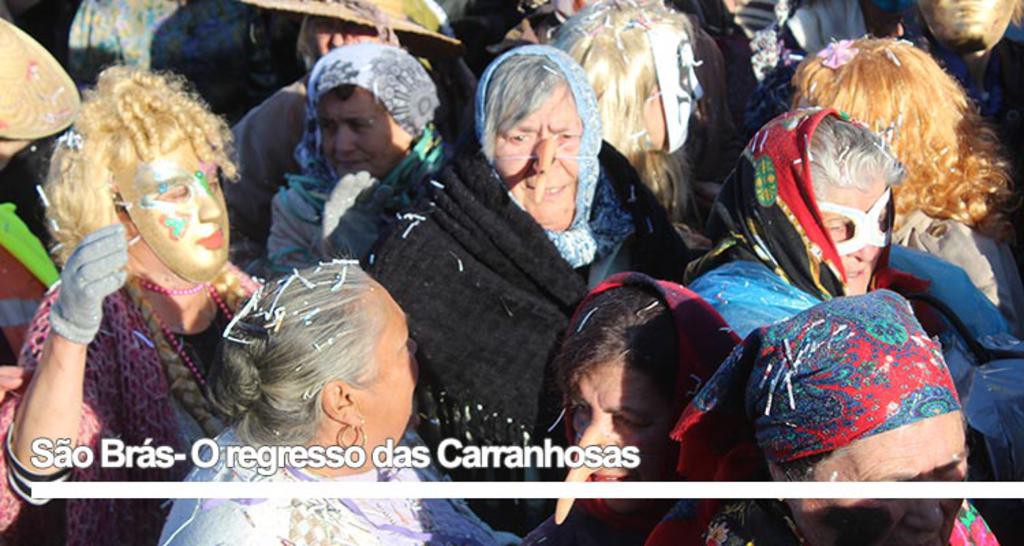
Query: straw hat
413, 20
38, 97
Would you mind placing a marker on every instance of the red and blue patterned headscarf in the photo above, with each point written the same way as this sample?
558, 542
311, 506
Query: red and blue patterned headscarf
841, 371
766, 213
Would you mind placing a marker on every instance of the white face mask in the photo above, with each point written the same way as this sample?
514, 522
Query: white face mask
871, 228
674, 64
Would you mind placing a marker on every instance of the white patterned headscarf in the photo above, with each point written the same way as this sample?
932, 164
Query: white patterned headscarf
394, 77
600, 223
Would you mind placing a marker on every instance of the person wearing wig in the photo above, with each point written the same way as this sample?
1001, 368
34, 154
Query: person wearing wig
122, 347
807, 216
368, 147
850, 390
322, 360
491, 263
954, 199
646, 64
636, 352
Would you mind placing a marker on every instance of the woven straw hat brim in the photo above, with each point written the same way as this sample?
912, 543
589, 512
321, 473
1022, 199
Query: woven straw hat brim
38, 98
418, 40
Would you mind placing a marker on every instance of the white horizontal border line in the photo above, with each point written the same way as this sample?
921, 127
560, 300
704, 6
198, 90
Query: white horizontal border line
528, 490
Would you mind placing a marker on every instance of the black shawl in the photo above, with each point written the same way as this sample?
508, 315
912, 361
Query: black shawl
488, 297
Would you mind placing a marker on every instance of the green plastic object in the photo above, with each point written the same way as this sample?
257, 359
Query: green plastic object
16, 238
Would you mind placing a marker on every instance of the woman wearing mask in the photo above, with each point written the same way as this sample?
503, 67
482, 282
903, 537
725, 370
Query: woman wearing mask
954, 201
491, 263
124, 346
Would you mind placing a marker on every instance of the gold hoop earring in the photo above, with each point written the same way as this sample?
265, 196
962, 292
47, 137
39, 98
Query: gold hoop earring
358, 440
361, 432
340, 438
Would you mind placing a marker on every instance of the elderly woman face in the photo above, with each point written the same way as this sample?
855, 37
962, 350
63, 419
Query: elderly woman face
932, 450
386, 404
536, 159
358, 134
851, 172
866, 210
617, 406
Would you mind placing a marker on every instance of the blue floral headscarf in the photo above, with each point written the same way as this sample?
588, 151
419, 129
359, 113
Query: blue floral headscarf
600, 223
841, 371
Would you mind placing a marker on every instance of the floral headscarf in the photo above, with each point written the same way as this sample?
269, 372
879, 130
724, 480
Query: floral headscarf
767, 213
394, 77
600, 222
841, 371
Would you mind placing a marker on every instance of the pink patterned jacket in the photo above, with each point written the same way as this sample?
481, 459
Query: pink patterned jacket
126, 396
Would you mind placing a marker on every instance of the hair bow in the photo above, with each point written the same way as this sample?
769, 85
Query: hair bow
838, 53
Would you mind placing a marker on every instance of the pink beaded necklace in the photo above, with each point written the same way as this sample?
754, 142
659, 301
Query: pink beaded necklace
173, 339
153, 287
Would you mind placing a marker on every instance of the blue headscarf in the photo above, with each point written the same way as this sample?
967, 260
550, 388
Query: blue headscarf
600, 223
843, 370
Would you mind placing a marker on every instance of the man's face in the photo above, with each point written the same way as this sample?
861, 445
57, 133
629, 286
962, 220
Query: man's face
332, 33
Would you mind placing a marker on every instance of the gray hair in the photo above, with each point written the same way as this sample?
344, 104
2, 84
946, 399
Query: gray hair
802, 469
286, 344
847, 155
518, 87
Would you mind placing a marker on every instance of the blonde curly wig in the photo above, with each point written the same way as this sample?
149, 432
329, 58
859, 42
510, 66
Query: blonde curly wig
134, 116
131, 116
609, 40
955, 167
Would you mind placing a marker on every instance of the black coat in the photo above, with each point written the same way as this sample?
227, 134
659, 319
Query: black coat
488, 297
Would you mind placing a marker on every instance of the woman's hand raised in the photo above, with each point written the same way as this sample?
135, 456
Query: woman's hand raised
95, 269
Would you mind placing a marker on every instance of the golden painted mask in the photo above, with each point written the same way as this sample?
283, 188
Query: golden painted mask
178, 207
966, 26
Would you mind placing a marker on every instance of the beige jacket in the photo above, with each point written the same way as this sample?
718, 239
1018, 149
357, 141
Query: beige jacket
265, 146
988, 262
